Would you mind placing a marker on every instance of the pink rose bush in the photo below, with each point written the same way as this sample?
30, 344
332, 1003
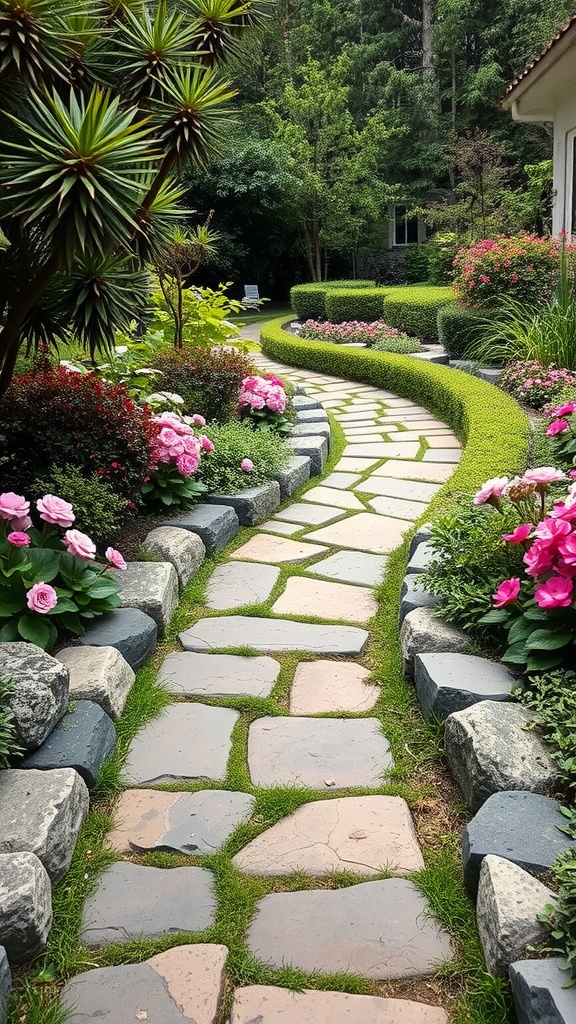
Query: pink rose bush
176, 455
262, 401
562, 432
537, 610
534, 384
51, 578
351, 331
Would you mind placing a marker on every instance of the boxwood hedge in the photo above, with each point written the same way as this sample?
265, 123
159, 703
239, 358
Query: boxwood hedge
492, 425
343, 304
414, 309
457, 329
308, 300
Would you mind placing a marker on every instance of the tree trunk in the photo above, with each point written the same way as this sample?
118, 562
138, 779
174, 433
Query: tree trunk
10, 336
428, 19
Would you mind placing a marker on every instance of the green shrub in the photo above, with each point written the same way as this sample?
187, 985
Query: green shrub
208, 379
415, 309
457, 329
441, 251
401, 345
415, 262
308, 300
522, 267
493, 426
99, 511
221, 470
344, 304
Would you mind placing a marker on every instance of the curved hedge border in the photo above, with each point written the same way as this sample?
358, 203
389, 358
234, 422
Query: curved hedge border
414, 309
492, 425
309, 300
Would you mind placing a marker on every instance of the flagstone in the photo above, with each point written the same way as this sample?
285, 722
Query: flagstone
365, 531
131, 901
273, 635
310, 514
321, 686
403, 403
442, 455
360, 834
187, 741
238, 583
218, 675
341, 480
188, 823
444, 441
351, 567
380, 930
332, 496
330, 601
412, 490
285, 529
398, 507
354, 465
267, 1004
277, 550
318, 753
416, 470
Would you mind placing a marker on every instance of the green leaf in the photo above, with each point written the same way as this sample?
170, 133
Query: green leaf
519, 630
71, 622
549, 640
10, 603
498, 615
37, 631
541, 662
103, 588
516, 654
9, 632
45, 565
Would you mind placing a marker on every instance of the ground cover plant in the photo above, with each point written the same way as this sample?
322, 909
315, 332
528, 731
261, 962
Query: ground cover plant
241, 457
376, 333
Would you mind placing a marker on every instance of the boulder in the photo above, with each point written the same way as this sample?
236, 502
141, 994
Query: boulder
423, 632
253, 505
129, 630
5, 984
216, 525
42, 813
294, 475
183, 549
420, 561
99, 674
539, 993
413, 595
25, 906
40, 691
315, 448
451, 682
509, 901
152, 587
82, 740
490, 750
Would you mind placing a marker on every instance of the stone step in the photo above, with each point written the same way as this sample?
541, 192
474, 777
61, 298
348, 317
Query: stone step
360, 834
318, 753
380, 930
218, 675
363, 531
82, 740
334, 601
235, 584
333, 496
25, 907
309, 514
131, 901
271, 635
320, 686
358, 567
278, 550
267, 1004
187, 741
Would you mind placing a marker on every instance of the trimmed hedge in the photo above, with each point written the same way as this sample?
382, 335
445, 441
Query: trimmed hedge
308, 300
415, 309
494, 428
456, 329
344, 304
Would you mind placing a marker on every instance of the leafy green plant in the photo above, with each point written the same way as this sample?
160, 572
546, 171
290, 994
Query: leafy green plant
414, 309
402, 345
521, 269
201, 314
560, 918
100, 512
344, 304
234, 442
8, 745
552, 695
457, 328
309, 300
209, 381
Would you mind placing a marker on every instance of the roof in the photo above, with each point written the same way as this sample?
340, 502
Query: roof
560, 35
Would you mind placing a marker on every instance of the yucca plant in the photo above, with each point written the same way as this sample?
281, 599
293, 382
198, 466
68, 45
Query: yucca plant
102, 104
178, 260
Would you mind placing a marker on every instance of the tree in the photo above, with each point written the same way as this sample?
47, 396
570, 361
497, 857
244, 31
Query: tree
104, 104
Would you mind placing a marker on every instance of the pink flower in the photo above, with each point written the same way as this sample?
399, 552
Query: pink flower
551, 530
41, 598
168, 419
491, 489
198, 420
558, 427
507, 592
554, 593
276, 400
247, 465
567, 549
543, 476
13, 506
115, 558
168, 437
206, 444
187, 464
22, 524
538, 559
56, 511
565, 410
520, 534
79, 544
18, 539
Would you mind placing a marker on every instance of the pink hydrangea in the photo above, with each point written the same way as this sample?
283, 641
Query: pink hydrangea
198, 420
187, 464
491, 489
507, 592
206, 443
115, 558
41, 598
56, 511
521, 533
247, 465
556, 592
18, 539
13, 506
79, 544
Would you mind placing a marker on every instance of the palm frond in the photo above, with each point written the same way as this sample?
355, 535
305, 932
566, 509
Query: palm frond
219, 24
33, 45
156, 221
193, 115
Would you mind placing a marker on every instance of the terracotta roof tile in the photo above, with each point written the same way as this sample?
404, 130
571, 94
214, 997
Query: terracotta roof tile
550, 46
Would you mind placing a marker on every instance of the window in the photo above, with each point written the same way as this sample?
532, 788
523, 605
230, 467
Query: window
570, 211
405, 228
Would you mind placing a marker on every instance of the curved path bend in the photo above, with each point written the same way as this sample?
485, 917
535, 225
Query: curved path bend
312, 569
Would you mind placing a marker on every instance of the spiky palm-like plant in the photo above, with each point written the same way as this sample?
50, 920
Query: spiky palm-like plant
102, 104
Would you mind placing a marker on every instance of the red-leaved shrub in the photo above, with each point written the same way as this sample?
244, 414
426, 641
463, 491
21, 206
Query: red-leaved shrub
208, 379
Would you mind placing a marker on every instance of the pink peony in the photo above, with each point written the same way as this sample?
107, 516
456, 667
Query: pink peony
507, 592
79, 544
168, 437
491, 489
22, 524
558, 427
554, 593
186, 464
542, 476
520, 534
13, 506
18, 539
566, 548
115, 558
41, 598
168, 419
198, 420
551, 530
56, 511
538, 559
206, 444
247, 465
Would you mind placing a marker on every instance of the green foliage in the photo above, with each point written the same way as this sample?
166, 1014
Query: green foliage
416, 264
221, 471
521, 268
99, 511
441, 251
309, 300
167, 488
535, 385
457, 329
202, 315
415, 310
8, 745
343, 304
208, 381
492, 425
559, 918
402, 346
471, 561
552, 695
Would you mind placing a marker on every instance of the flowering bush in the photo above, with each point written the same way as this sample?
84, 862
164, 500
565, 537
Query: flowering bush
537, 609
262, 401
176, 453
352, 331
531, 383
561, 432
208, 380
54, 417
523, 267
241, 457
50, 578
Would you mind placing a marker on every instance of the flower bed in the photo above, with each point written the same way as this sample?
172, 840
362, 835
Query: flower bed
377, 333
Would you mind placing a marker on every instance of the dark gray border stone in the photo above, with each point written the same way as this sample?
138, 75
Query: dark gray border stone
421, 559
422, 535
5, 984
253, 505
129, 630
82, 740
539, 993
414, 595
294, 475
316, 448
216, 525
451, 682
152, 587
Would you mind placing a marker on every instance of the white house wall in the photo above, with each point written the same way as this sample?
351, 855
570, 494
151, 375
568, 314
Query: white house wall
564, 127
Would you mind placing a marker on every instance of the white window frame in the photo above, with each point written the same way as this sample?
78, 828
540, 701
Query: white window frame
402, 245
570, 196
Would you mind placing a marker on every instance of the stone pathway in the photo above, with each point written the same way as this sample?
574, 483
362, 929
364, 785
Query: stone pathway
310, 571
